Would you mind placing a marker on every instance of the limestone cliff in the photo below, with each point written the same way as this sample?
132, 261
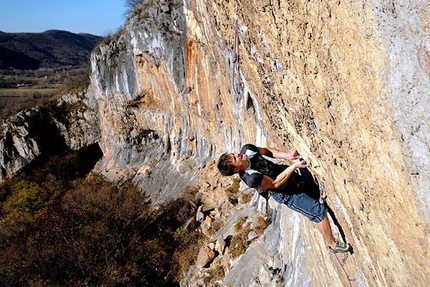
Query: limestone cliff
344, 82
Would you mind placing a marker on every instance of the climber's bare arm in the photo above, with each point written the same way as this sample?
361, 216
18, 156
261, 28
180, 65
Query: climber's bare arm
281, 179
275, 153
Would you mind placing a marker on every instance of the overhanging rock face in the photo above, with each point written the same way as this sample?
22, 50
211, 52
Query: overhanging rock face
336, 80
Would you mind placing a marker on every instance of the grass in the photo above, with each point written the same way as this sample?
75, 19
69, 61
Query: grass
239, 242
262, 224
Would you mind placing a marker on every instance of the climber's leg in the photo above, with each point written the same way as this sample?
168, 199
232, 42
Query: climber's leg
334, 246
314, 211
325, 229
304, 204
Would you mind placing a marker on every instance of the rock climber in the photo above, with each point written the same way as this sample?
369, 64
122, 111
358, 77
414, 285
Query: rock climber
283, 183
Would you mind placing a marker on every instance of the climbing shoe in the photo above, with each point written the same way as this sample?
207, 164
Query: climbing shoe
340, 248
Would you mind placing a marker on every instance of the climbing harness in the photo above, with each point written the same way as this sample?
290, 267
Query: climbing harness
235, 86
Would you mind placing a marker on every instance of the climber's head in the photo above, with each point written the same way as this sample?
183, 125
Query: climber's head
231, 163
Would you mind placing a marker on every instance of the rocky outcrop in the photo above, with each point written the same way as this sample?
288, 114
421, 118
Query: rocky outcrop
344, 82
68, 123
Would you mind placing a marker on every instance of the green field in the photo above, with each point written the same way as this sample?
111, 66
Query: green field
21, 90
25, 92
14, 100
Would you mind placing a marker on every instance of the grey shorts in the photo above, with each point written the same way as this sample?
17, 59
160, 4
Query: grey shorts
304, 204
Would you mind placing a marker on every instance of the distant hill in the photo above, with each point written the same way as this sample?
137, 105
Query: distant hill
50, 49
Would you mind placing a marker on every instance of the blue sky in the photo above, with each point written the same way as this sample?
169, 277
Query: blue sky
98, 17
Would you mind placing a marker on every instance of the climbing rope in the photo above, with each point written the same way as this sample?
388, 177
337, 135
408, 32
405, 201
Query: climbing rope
342, 265
322, 200
235, 55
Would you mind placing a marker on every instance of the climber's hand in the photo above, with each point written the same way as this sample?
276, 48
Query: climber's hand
300, 164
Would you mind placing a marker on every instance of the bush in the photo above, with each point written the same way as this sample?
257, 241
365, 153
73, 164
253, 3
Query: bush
218, 270
239, 223
132, 5
185, 255
238, 245
262, 224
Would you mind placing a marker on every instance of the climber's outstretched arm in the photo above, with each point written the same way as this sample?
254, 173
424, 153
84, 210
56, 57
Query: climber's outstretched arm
281, 179
275, 153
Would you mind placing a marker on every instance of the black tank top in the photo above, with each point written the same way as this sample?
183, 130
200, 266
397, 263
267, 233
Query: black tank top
259, 166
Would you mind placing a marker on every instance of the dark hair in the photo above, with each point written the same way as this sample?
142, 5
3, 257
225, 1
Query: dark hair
224, 165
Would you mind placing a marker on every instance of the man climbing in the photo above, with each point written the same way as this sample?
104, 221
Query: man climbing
283, 183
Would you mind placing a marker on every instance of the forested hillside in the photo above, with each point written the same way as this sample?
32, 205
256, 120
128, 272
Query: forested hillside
50, 49
35, 67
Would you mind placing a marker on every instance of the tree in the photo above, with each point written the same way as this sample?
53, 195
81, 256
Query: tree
131, 5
